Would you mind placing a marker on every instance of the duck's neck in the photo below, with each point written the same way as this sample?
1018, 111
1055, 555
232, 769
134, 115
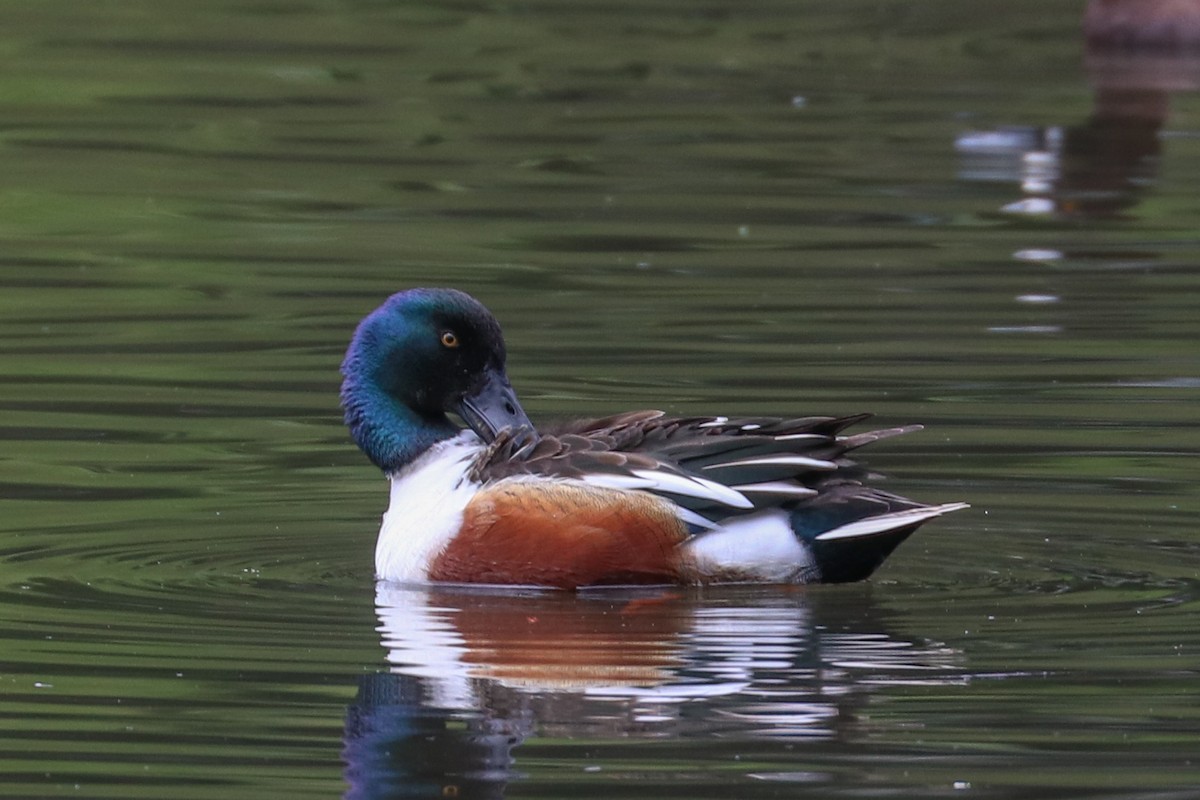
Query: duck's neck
389, 432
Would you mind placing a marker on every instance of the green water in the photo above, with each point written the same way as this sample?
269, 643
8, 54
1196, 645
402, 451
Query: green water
702, 208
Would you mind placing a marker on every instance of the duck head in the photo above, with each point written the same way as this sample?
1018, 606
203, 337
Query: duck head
423, 354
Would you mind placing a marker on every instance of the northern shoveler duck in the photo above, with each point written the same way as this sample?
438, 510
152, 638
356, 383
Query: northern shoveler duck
637, 498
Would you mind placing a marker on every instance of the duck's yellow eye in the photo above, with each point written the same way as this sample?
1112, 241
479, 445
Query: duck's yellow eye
449, 339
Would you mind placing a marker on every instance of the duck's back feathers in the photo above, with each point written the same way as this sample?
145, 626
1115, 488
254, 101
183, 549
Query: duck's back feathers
761, 498
707, 464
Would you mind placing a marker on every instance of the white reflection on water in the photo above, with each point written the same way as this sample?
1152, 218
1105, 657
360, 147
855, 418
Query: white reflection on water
480, 675
769, 660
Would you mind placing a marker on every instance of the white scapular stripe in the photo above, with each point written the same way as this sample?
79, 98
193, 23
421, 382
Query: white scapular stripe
782, 488
611, 480
694, 487
784, 461
690, 517
888, 522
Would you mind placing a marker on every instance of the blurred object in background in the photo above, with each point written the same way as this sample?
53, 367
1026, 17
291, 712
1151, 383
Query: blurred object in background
1152, 24
1137, 53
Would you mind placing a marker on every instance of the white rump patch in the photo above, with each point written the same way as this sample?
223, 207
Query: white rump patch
888, 522
760, 547
426, 509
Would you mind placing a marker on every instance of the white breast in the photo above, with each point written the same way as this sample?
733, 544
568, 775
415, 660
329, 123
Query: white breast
426, 509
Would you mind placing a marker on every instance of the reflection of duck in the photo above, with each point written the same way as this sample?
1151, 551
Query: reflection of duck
476, 673
633, 499
1137, 53
1142, 23
395, 747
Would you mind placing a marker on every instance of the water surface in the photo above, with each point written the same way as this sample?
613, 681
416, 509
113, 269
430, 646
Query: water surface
936, 213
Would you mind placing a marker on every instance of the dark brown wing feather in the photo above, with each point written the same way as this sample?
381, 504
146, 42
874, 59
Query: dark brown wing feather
808, 451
